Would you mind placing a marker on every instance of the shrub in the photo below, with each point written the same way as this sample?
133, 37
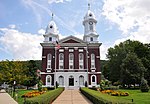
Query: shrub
86, 84
144, 86
40, 85
93, 98
46, 98
97, 98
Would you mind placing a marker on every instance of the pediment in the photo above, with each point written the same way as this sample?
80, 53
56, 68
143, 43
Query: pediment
71, 39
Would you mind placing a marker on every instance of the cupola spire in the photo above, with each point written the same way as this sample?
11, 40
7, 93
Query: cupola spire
89, 6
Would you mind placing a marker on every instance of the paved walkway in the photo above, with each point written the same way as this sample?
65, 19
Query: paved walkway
71, 97
5, 98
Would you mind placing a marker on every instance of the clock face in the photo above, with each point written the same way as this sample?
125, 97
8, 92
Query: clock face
90, 22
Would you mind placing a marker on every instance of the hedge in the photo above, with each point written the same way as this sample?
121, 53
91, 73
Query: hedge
98, 98
46, 98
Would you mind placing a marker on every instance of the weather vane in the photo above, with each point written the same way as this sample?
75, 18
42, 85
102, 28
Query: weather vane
52, 16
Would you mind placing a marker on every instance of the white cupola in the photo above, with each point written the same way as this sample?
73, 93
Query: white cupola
89, 22
51, 33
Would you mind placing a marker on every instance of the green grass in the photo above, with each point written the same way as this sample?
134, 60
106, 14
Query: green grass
20, 100
138, 96
107, 98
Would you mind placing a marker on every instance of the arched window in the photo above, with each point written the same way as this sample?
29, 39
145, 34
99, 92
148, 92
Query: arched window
92, 61
61, 81
49, 60
61, 61
81, 80
81, 58
93, 80
48, 80
71, 60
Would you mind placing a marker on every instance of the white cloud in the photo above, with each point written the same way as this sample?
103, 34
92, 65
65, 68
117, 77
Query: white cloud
12, 26
58, 1
131, 16
41, 31
22, 46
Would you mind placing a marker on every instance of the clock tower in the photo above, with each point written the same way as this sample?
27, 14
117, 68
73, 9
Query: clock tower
89, 22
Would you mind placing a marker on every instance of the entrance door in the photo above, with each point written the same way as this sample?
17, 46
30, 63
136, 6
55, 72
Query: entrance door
71, 81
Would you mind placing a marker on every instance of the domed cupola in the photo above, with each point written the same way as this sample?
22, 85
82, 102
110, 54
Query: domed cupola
89, 22
52, 28
89, 15
51, 33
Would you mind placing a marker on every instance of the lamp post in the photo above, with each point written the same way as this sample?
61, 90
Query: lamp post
14, 89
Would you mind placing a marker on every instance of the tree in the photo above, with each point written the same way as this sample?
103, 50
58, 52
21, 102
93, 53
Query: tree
11, 71
31, 74
118, 53
144, 86
131, 70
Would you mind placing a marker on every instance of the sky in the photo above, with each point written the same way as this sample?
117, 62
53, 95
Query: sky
23, 23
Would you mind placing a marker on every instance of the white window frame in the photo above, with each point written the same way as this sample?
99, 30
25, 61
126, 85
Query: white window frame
48, 84
49, 62
81, 81
71, 61
61, 81
92, 61
81, 61
61, 61
93, 83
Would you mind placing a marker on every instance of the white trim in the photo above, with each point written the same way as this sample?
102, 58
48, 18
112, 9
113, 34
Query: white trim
43, 56
93, 83
71, 50
50, 83
80, 50
61, 50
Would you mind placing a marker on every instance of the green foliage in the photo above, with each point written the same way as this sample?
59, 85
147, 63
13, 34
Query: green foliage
31, 74
131, 69
46, 98
40, 83
118, 53
99, 98
144, 86
104, 83
11, 71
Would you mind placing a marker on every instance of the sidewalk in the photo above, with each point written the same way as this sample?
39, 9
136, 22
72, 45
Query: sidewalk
71, 97
5, 98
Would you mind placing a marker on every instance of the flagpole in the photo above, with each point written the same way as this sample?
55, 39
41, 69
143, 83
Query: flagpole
87, 65
55, 66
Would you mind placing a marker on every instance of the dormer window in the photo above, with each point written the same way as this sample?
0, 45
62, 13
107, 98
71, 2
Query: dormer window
51, 26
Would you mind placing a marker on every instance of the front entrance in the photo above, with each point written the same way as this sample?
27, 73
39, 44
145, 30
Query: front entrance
71, 81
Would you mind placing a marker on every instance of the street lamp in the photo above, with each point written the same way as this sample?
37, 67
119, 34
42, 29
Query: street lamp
14, 89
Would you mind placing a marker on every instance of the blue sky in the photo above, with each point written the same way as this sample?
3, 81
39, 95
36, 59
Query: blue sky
22, 23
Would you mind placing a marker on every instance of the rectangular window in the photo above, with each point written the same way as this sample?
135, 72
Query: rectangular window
50, 38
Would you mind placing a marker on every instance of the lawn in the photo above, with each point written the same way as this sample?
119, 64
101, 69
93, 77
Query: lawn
138, 96
20, 100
